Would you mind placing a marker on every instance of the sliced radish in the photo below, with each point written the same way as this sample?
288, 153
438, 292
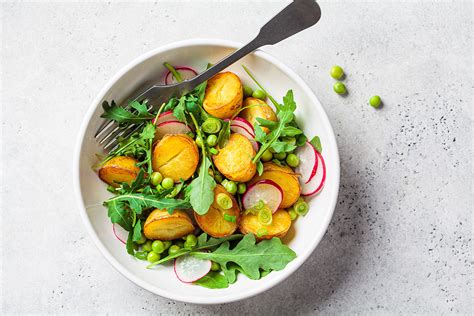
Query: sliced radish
189, 269
264, 190
165, 117
308, 162
185, 72
316, 184
171, 127
244, 123
120, 233
244, 132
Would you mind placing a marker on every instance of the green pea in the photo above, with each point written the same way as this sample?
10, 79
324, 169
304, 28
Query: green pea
147, 246
339, 88
224, 201
230, 186
336, 72
259, 94
292, 160
375, 101
267, 155
247, 91
213, 151
141, 255
191, 241
199, 142
152, 257
142, 240
156, 178
241, 188
280, 156
167, 183
215, 266
301, 140
173, 249
211, 140
211, 125
167, 244
158, 246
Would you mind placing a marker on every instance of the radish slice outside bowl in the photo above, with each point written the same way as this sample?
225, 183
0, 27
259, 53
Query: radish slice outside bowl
316, 184
242, 131
120, 233
165, 117
189, 269
244, 123
171, 127
264, 190
185, 72
308, 162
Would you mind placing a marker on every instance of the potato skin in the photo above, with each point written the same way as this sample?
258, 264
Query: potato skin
234, 161
280, 225
259, 110
286, 178
164, 226
120, 169
176, 157
224, 94
213, 222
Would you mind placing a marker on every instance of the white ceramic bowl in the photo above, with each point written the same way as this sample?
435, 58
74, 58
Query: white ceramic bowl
277, 78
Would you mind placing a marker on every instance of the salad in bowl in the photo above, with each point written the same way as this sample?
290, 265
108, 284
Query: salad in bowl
212, 181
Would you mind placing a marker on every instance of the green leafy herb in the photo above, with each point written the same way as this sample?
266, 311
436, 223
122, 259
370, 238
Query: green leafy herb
202, 189
137, 113
275, 103
259, 167
213, 280
316, 142
129, 245
224, 134
137, 231
137, 202
250, 257
179, 110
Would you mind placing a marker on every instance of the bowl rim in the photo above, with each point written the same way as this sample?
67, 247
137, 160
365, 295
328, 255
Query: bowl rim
125, 272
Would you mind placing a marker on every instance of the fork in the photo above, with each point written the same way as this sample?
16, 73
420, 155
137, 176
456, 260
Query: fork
294, 18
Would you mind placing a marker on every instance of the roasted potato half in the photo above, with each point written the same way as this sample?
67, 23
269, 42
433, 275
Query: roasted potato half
223, 96
119, 169
164, 226
234, 161
213, 222
176, 157
281, 223
257, 109
286, 178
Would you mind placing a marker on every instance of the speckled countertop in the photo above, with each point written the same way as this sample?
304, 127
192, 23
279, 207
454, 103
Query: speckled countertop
400, 240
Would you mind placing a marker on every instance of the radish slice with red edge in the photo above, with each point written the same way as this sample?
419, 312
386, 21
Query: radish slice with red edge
242, 131
171, 127
185, 72
165, 117
244, 123
120, 233
189, 269
308, 162
264, 190
316, 184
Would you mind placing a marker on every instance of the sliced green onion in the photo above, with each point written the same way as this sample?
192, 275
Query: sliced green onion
213, 151
175, 73
211, 125
224, 201
262, 232
265, 216
260, 205
301, 207
230, 218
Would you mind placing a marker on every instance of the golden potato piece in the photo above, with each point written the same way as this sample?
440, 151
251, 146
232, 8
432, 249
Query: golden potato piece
234, 161
176, 157
281, 222
213, 222
223, 97
119, 169
164, 226
286, 178
258, 109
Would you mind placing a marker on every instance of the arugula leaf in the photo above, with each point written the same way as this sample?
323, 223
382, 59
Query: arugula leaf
266, 123
137, 202
179, 110
202, 189
213, 280
275, 103
250, 257
119, 214
129, 245
137, 231
259, 167
291, 131
122, 115
281, 147
316, 142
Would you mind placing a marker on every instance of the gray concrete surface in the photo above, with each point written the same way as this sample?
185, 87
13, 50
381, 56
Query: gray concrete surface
400, 240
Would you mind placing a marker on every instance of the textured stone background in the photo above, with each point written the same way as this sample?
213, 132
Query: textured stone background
400, 240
